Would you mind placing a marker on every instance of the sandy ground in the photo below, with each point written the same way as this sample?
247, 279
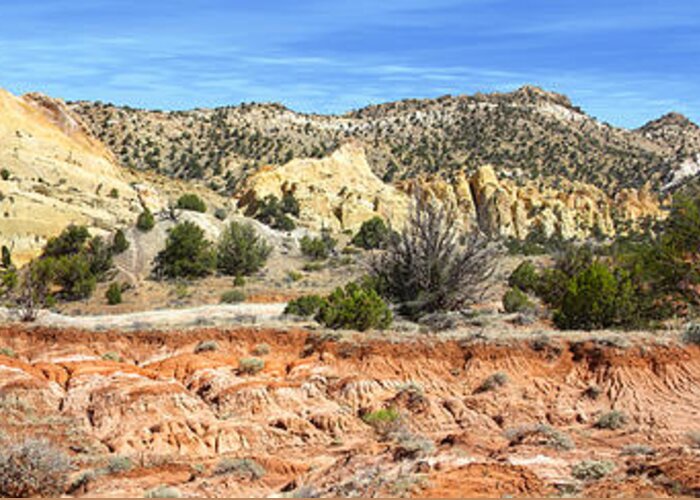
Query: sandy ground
210, 315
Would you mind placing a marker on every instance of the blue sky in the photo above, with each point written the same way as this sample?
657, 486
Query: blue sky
623, 61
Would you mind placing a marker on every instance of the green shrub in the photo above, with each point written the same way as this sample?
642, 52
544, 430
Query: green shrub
99, 255
354, 307
317, 248
311, 267
145, 221
289, 204
492, 382
33, 468
525, 277
6, 257
114, 193
540, 434
284, 223
4, 174
384, 421
119, 464
187, 253
514, 300
72, 240
192, 202
294, 276
232, 297
73, 274
112, 356
242, 468
305, 306
381, 416
272, 212
574, 259
239, 281
241, 251
251, 366
6, 351
594, 299
163, 492
551, 286
373, 234
114, 294
536, 243
592, 470
119, 243
612, 420
206, 346
261, 349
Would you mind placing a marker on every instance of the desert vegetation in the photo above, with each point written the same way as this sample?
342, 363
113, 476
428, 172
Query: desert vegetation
404, 139
637, 280
430, 266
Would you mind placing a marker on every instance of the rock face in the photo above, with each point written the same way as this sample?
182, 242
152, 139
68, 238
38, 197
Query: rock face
56, 174
340, 192
553, 207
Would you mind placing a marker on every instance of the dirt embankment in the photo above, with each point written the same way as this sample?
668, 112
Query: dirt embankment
469, 418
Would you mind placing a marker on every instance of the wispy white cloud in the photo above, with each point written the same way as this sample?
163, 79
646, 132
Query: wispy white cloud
316, 55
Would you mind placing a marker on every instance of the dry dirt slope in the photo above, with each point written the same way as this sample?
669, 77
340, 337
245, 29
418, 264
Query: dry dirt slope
177, 414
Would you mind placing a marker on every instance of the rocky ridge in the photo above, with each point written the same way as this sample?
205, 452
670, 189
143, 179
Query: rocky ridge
537, 132
341, 191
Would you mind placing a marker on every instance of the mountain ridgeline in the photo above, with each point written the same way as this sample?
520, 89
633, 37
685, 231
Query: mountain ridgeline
529, 133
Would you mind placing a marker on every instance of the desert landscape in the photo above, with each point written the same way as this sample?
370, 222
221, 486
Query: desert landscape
228, 384
369, 278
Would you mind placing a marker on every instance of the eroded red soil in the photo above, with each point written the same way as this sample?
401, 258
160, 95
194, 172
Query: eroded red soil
176, 413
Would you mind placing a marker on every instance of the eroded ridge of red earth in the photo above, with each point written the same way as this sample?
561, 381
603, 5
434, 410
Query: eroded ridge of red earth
288, 412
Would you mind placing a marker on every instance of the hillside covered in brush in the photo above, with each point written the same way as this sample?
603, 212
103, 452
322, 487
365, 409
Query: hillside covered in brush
529, 131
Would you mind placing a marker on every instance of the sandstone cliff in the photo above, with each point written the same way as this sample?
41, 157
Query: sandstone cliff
340, 192
56, 174
337, 192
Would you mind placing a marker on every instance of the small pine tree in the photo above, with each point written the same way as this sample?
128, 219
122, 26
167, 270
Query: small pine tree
354, 307
373, 234
317, 248
191, 202
145, 221
119, 243
6, 257
289, 204
187, 253
114, 294
524, 277
515, 300
241, 251
596, 298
